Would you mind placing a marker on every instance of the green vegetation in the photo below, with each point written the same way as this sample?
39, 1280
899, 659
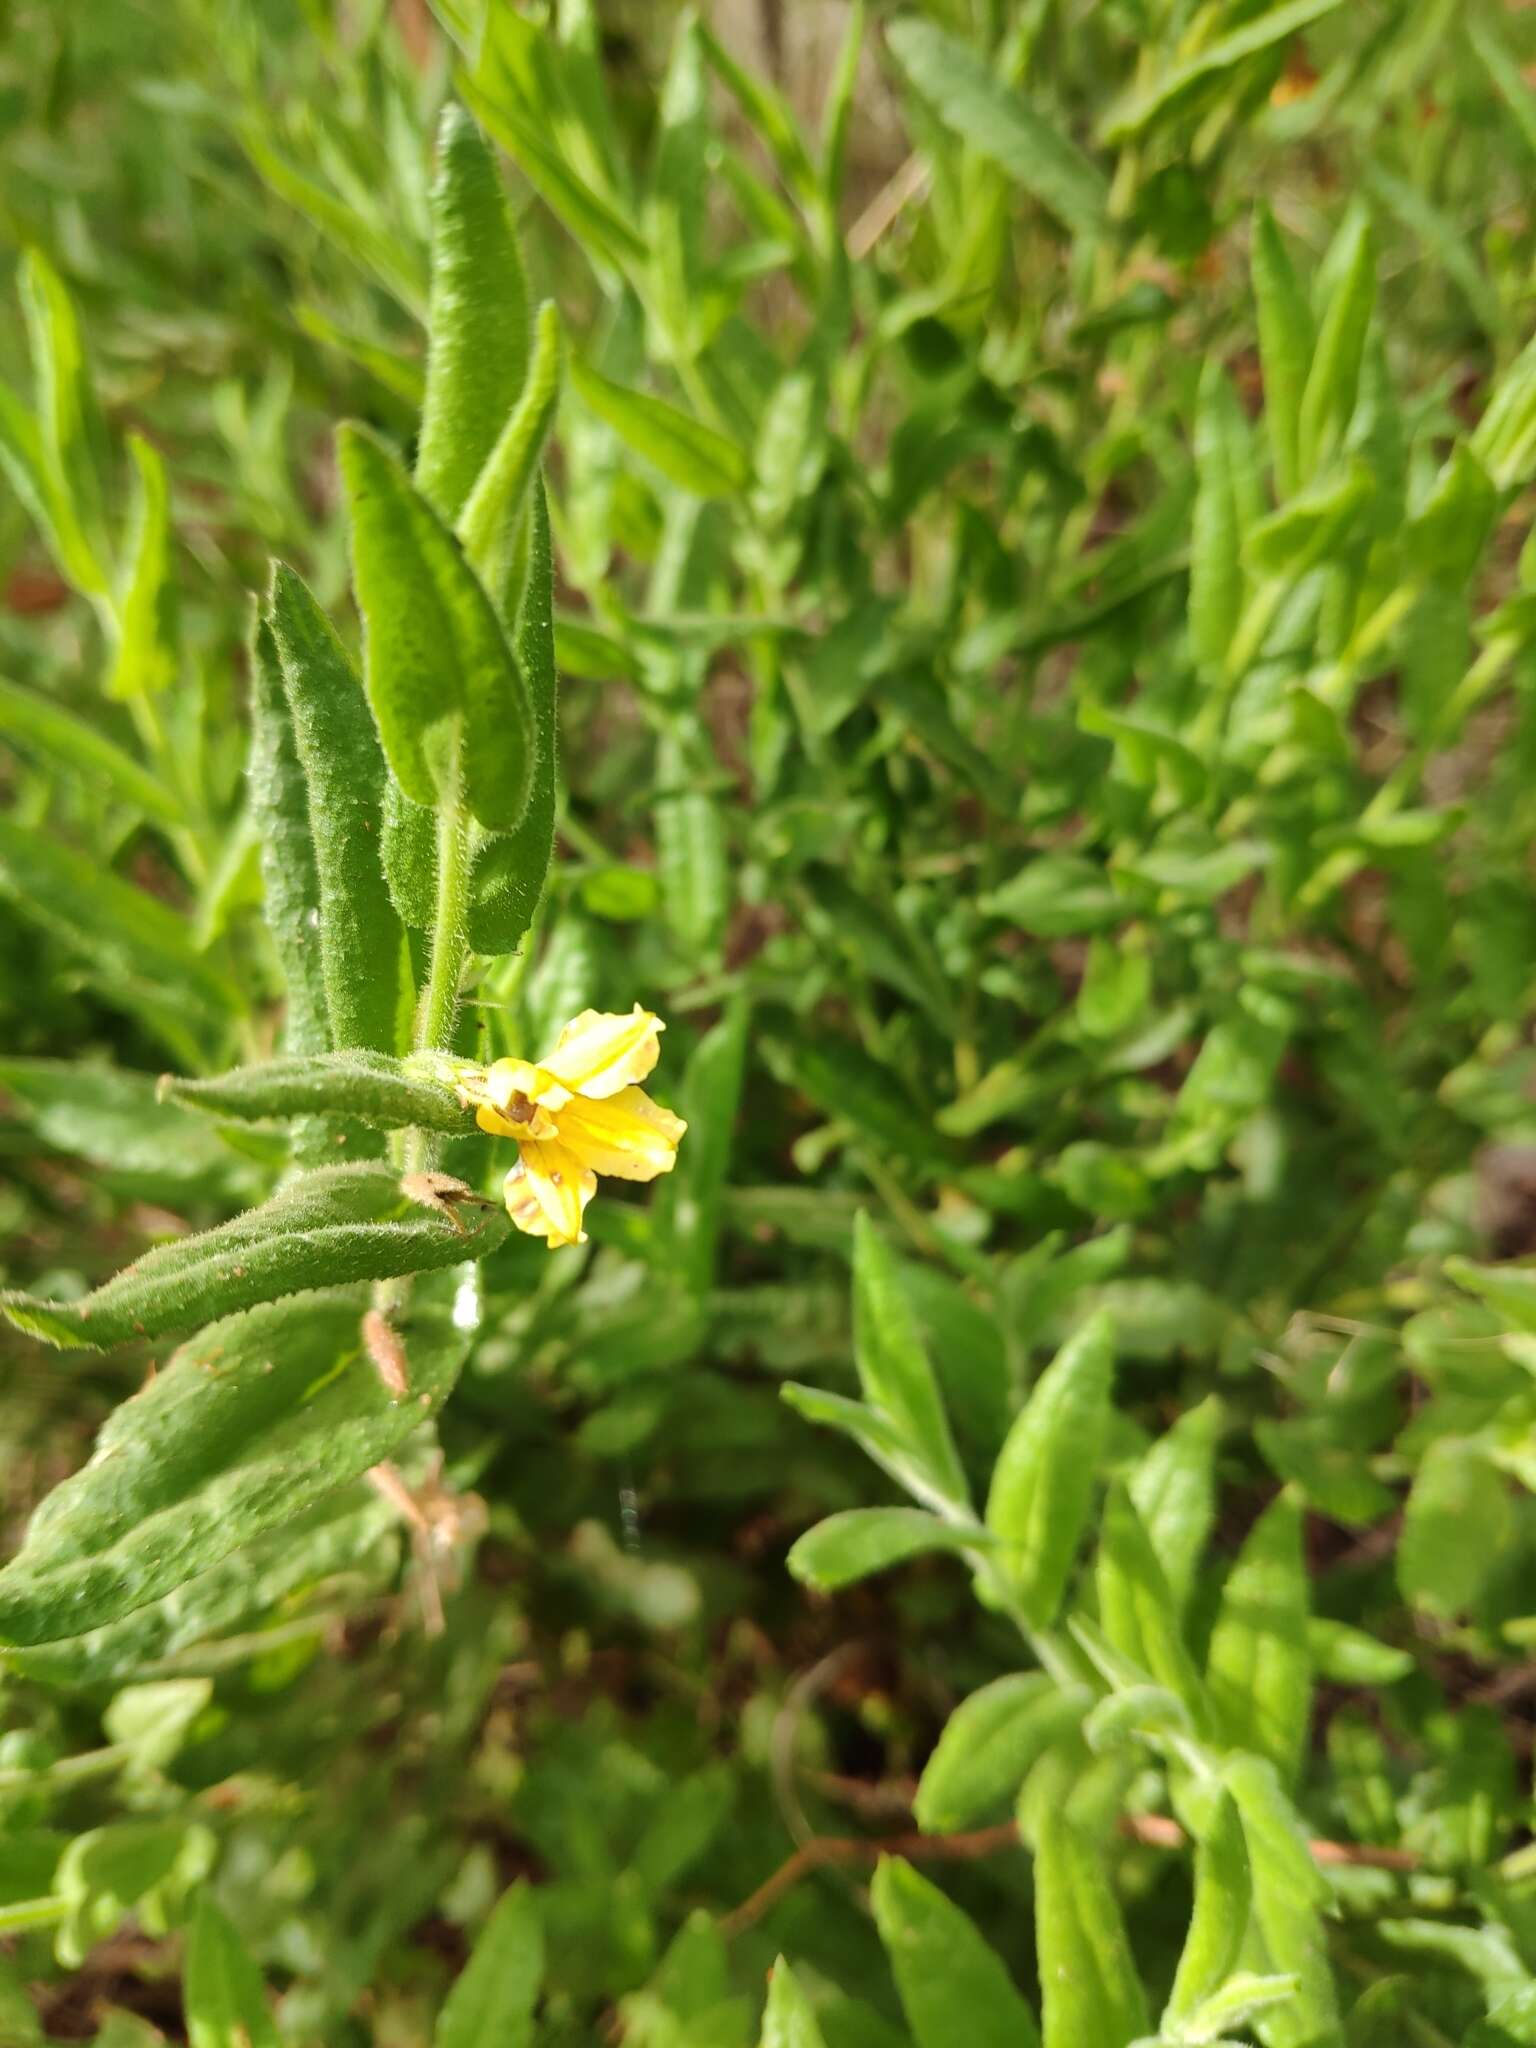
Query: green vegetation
976, 561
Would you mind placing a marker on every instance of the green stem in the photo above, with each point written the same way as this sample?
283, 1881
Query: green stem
439, 1006
450, 931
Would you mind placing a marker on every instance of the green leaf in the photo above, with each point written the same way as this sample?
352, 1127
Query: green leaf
509, 872
894, 1370
1000, 124
1351, 1656
874, 1433
1511, 1288
408, 849
67, 412
133, 946
1042, 1485
1504, 439
491, 525
850, 1546
113, 1118
1286, 343
687, 453
20, 2026
513, 102
1504, 69
250, 1423
146, 1868
1447, 534
477, 319
769, 115
693, 1199
1137, 1611
1237, 2003
989, 1745
1458, 1525
351, 1531
1224, 505
450, 698
1259, 1669
38, 486
946, 1974
788, 2021
290, 880
379, 1091
1174, 1491
337, 750
1334, 378
691, 854
1314, 525
1286, 1935
394, 259
1223, 1896
155, 1720
1057, 896
1088, 1983
338, 1224
226, 2002
33, 720
493, 1997
143, 662
1274, 25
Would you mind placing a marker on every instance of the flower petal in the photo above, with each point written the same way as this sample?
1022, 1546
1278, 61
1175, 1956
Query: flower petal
547, 1191
628, 1136
599, 1053
537, 1123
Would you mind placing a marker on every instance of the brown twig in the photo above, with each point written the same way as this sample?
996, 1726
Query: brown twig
823, 1850
1153, 1830
887, 206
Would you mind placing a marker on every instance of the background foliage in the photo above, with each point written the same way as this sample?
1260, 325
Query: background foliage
1039, 501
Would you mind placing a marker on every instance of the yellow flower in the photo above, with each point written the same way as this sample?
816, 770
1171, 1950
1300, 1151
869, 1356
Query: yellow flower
576, 1114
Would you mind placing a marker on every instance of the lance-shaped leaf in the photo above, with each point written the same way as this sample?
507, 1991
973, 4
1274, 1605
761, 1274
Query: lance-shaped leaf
491, 526
143, 662
691, 1204
132, 943
477, 318
33, 721
225, 1999
849, 1546
249, 1424
947, 1975
385, 1093
1000, 124
1044, 1478
111, 1117
449, 695
352, 1531
989, 1744
1260, 1668
339, 1224
1137, 1611
689, 454
1223, 1894
493, 1997
1174, 1491
788, 2021
1286, 1934
338, 750
895, 1373
1286, 342
67, 410
510, 870
1088, 1983
290, 882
